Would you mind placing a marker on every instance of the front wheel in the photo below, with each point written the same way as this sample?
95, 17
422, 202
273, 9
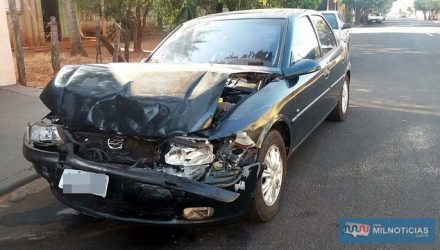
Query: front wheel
266, 201
339, 113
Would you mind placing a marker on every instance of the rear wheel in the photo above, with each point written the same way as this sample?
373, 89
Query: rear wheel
266, 202
339, 113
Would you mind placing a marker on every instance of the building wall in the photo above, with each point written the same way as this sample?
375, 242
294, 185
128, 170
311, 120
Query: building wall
7, 71
31, 23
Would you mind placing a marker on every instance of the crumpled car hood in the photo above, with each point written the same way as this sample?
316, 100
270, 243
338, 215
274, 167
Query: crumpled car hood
134, 98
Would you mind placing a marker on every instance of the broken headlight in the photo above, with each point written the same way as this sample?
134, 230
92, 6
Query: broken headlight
44, 134
190, 156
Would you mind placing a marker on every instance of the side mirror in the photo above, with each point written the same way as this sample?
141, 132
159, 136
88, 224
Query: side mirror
302, 67
346, 26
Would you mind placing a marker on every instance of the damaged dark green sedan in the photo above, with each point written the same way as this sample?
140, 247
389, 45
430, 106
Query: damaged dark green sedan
201, 130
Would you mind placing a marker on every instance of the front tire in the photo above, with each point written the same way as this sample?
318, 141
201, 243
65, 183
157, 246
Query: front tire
266, 201
339, 113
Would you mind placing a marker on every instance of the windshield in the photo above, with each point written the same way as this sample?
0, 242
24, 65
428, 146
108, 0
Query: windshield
244, 42
331, 19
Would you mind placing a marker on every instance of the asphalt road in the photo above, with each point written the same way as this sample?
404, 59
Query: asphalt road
383, 161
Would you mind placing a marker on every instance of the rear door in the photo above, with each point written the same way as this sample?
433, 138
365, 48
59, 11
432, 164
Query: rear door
335, 61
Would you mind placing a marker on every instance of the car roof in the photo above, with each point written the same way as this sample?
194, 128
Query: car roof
257, 13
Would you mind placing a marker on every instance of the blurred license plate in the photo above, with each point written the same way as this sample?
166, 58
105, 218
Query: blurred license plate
81, 182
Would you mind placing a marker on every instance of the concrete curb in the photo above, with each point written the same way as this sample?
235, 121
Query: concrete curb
18, 183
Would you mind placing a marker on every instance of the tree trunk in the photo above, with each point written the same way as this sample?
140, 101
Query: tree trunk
55, 51
424, 15
103, 22
126, 43
159, 21
116, 44
98, 43
219, 8
138, 29
137, 40
18, 49
74, 35
358, 16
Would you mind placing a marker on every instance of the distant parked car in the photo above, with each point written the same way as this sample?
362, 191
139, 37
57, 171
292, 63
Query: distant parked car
339, 27
375, 17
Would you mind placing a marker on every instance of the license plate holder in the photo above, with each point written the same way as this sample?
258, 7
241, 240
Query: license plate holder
82, 182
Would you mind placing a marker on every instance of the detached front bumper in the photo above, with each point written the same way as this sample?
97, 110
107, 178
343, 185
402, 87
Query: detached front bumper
144, 195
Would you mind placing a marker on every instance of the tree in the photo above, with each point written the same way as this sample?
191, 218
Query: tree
187, 12
429, 8
132, 14
363, 7
410, 10
74, 36
301, 4
141, 9
192, 8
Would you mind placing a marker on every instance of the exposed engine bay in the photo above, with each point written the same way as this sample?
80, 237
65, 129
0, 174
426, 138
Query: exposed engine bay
237, 88
193, 158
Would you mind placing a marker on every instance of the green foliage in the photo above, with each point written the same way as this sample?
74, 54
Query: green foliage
363, 7
174, 12
89, 6
188, 9
382, 6
301, 4
430, 8
187, 12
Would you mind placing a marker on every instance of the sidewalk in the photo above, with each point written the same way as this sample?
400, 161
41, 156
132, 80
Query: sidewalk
18, 105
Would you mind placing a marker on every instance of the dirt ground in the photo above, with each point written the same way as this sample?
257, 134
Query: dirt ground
38, 60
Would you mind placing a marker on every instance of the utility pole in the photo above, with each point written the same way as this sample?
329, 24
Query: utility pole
18, 49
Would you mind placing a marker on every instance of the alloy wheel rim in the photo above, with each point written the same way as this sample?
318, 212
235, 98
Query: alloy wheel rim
344, 97
272, 175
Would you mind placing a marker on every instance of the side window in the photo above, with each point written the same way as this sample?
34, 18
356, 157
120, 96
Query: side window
304, 41
325, 34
